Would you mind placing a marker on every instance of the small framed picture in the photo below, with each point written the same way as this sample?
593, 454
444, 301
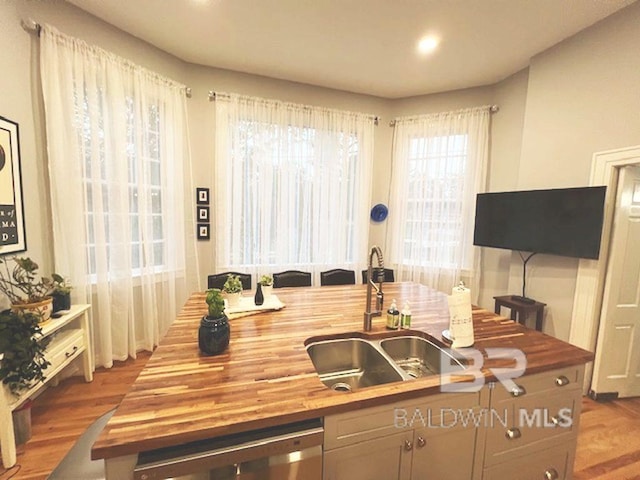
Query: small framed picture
202, 196
203, 214
203, 231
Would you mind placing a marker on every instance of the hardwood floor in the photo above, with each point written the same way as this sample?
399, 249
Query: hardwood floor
608, 443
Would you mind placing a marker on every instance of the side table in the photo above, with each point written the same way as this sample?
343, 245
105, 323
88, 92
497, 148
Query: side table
520, 310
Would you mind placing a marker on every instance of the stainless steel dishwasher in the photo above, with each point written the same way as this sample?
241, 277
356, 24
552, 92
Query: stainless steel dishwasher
287, 452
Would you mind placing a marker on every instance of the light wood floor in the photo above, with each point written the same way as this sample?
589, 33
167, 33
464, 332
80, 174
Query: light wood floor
608, 443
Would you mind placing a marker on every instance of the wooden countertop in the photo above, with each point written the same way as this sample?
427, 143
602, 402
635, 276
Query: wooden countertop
266, 378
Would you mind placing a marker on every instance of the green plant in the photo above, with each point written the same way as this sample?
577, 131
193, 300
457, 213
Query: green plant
216, 303
266, 280
233, 284
22, 284
23, 360
60, 285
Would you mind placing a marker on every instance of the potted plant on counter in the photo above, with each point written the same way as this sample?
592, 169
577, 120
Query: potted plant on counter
233, 289
26, 290
213, 334
267, 285
21, 350
61, 293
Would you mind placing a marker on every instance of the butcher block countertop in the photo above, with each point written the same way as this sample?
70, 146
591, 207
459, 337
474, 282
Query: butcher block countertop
266, 378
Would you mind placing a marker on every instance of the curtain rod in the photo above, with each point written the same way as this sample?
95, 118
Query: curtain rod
32, 26
492, 109
213, 95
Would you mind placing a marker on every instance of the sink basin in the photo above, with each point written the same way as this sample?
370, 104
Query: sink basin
419, 357
351, 363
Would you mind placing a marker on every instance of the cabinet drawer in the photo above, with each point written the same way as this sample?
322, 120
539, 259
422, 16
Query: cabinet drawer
531, 420
550, 463
562, 379
66, 345
357, 426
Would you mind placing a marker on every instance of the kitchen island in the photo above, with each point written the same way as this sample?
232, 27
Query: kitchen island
265, 378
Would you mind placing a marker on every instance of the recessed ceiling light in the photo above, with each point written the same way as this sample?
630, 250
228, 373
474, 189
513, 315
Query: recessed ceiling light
427, 44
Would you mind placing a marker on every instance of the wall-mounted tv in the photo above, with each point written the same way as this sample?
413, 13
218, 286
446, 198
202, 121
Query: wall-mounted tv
564, 221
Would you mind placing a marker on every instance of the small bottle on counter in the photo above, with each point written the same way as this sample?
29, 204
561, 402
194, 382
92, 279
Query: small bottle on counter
393, 316
405, 316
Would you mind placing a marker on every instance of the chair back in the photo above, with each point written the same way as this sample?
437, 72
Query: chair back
388, 275
338, 276
291, 278
217, 280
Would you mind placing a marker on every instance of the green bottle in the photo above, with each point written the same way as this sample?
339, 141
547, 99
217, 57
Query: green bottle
405, 316
393, 316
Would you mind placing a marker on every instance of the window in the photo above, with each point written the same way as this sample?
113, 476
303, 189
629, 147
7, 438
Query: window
437, 165
293, 185
104, 184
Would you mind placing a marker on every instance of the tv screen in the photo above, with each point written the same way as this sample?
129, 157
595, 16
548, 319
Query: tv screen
565, 221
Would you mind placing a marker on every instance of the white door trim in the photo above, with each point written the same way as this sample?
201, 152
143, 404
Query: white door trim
587, 301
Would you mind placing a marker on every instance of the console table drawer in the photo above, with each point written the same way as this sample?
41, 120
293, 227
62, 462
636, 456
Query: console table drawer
64, 346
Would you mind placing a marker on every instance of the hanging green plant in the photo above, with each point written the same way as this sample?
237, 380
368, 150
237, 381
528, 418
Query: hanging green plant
22, 350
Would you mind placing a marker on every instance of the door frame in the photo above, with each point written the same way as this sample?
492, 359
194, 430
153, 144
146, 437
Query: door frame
588, 297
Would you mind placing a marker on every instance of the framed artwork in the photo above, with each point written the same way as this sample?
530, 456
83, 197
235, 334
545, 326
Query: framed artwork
202, 196
12, 232
203, 231
203, 214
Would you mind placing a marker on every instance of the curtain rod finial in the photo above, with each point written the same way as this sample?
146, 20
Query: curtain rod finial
494, 108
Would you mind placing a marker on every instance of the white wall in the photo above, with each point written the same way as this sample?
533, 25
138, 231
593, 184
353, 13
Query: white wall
580, 96
583, 97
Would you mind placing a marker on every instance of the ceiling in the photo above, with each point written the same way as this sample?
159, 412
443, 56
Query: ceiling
363, 46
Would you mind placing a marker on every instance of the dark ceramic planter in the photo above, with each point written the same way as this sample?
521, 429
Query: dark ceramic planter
213, 335
61, 301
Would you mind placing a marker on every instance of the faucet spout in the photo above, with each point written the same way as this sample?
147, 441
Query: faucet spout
369, 313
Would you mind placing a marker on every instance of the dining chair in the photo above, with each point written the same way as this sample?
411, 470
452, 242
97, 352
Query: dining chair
338, 276
291, 278
388, 275
217, 280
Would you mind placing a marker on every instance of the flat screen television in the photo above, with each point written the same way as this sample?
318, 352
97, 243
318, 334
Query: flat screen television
563, 221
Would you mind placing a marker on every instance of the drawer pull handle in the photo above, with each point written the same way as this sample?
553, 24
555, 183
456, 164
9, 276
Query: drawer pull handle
555, 420
551, 474
561, 381
518, 391
421, 442
513, 433
69, 354
408, 446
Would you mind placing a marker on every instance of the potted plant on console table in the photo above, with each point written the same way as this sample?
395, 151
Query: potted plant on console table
61, 293
213, 334
26, 290
22, 360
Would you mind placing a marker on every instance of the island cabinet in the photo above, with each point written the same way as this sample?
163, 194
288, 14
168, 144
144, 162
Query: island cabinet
535, 427
430, 438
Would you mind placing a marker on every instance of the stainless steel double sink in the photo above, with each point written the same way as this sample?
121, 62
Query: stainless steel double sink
347, 364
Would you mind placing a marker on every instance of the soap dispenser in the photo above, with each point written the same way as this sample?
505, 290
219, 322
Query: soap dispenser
393, 316
405, 316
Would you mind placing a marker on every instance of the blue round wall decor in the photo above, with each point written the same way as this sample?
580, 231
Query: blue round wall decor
379, 212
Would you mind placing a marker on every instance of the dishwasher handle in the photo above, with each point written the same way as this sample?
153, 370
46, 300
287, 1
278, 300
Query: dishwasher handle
241, 452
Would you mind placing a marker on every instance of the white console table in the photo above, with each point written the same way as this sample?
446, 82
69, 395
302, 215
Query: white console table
70, 337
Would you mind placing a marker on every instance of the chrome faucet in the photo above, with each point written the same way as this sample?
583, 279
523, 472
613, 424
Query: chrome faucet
368, 314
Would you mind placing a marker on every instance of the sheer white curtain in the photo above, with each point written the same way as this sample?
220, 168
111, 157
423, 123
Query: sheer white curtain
119, 179
439, 165
293, 186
